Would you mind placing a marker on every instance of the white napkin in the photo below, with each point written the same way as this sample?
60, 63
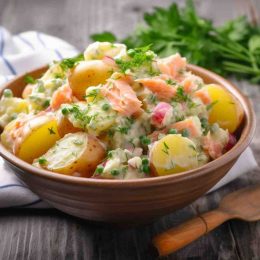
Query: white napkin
25, 51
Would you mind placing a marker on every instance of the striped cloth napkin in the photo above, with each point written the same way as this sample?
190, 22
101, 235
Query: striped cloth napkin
26, 51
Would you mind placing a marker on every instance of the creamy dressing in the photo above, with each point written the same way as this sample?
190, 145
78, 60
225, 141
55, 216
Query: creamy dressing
123, 113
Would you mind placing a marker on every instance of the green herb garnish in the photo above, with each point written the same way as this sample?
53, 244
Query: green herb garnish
42, 161
106, 107
103, 37
46, 103
233, 48
115, 172
205, 125
99, 169
71, 62
51, 131
139, 57
165, 148
145, 168
173, 131
65, 111
181, 96
30, 80
209, 106
93, 93
185, 133
78, 142
145, 140
145, 161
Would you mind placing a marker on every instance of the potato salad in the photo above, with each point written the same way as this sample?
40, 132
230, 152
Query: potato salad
113, 113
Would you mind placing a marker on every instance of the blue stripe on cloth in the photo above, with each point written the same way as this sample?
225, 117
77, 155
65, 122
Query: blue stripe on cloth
25, 41
28, 204
9, 65
39, 37
12, 185
1, 41
58, 54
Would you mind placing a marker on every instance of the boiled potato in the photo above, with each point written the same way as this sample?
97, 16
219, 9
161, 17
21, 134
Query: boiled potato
65, 126
173, 154
74, 153
99, 50
86, 74
31, 137
225, 109
10, 108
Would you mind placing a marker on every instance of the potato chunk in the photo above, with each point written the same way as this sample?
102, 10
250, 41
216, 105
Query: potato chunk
10, 107
173, 154
31, 136
225, 109
65, 126
86, 74
74, 154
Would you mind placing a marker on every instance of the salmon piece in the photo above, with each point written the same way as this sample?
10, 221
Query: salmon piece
122, 97
172, 65
212, 147
27, 90
188, 86
192, 124
203, 95
159, 86
154, 136
61, 96
190, 83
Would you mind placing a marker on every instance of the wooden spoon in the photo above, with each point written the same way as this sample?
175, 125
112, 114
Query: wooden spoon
243, 204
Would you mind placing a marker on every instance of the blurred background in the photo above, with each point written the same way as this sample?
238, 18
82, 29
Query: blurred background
74, 21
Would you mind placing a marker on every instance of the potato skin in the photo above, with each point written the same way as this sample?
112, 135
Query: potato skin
31, 137
71, 158
92, 156
88, 73
65, 126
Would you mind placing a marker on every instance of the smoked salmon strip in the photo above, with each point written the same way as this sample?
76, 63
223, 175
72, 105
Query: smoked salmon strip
191, 124
61, 96
122, 97
203, 95
159, 87
172, 65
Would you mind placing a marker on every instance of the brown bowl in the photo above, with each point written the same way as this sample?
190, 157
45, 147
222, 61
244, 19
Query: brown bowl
131, 201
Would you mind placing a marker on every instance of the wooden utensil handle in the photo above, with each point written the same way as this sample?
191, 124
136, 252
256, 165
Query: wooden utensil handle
178, 237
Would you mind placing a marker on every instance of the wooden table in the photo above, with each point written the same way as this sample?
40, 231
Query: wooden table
49, 234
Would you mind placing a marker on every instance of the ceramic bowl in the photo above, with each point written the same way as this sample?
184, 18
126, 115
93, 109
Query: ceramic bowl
131, 201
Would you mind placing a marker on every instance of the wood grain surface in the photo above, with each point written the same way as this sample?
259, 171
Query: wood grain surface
49, 234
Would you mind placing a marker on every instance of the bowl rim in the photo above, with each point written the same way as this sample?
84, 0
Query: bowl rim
241, 145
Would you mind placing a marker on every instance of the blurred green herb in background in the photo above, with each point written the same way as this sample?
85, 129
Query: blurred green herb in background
233, 48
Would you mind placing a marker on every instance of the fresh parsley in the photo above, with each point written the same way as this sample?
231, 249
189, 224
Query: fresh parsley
139, 57
165, 148
51, 131
233, 48
42, 161
29, 79
71, 62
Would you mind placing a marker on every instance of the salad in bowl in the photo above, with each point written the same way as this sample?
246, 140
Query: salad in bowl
113, 113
